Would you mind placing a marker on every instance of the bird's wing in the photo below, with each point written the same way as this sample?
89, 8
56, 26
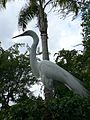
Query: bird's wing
52, 71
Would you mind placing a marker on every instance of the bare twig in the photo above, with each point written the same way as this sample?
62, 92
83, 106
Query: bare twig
77, 45
47, 3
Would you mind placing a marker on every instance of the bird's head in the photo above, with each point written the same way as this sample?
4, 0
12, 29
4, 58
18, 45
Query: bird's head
30, 33
26, 33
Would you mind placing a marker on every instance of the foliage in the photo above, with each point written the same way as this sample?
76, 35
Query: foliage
15, 75
86, 26
27, 13
3, 3
67, 6
86, 39
69, 60
66, 108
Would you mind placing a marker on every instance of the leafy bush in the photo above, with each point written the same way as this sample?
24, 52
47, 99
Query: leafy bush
66, 108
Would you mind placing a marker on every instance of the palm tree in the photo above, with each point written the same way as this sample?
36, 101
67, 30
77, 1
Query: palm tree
36, 8
3, 3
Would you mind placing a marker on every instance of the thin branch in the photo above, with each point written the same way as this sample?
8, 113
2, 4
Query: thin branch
77, 45
47, 3
40, 2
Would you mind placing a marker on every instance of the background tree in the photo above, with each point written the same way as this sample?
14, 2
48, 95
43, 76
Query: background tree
86, 41
15, 75
66, 108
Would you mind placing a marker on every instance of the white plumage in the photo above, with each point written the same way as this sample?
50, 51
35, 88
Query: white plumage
49, 71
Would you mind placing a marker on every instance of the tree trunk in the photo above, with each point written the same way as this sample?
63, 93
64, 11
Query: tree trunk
5, 102
43, 30
44, 46
42, 22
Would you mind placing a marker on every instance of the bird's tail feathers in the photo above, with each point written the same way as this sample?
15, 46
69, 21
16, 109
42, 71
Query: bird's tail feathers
77, 86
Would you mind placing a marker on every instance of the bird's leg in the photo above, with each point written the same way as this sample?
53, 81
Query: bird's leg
48, 89
48, 94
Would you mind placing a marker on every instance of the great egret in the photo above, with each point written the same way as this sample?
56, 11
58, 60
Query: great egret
49, 71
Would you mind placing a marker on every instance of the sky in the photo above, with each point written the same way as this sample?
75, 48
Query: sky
61, 33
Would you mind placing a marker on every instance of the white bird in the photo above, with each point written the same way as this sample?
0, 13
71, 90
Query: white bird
49, 71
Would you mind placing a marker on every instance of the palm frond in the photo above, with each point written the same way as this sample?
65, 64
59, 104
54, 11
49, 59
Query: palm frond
67, 6
27, 13
3, 3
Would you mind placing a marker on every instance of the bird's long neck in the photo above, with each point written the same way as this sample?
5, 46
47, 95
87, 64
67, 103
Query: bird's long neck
33, 59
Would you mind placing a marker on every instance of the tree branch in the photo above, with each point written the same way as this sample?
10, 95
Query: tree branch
47, 3
40, 2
